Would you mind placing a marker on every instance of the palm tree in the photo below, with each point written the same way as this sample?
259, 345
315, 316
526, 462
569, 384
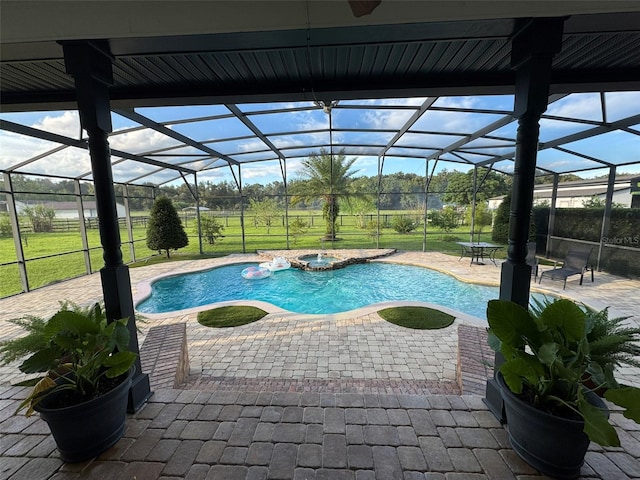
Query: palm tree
327, 178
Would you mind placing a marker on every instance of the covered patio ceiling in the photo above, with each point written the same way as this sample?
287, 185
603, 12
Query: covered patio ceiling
403, 84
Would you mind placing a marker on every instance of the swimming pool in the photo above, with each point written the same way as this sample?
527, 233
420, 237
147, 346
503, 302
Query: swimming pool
318, 292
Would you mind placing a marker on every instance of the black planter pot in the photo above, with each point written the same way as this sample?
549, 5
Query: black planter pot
86, 430
553, 445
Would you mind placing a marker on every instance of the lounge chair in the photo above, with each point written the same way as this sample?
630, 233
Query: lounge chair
532, 260
576, 262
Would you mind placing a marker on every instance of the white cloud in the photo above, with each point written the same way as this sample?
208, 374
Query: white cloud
387, 119
413, 101
67, 124
252, 146
18, 148
265, 171
587, 106
70, 162
622, 104
457, 102
138, 141
584, 106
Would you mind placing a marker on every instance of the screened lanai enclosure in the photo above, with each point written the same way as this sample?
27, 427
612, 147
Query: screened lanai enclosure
243, 165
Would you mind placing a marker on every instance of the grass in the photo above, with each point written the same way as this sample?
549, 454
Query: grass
232, 316
419, 318
45, 271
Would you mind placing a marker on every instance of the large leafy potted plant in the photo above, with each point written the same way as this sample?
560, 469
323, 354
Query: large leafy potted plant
551, 415
88, 369
613, 343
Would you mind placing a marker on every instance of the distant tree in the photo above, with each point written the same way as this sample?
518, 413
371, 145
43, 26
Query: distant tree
164, 230
359, 206
597, 202
265, 211
41, 217
460, 187
297, 228
373, 228
211, 229
404, 224
5, 226
500, 232
446, 219
482, 217
567, 177
327, 177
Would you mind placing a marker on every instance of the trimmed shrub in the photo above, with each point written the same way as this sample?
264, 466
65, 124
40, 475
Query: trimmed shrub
164, 230
403, 224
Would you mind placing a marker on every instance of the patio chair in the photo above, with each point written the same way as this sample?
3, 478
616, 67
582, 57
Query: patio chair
576, 262
532, 260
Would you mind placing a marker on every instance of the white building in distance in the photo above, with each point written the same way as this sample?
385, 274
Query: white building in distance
574, 194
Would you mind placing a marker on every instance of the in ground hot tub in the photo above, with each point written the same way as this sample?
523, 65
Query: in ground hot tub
319, 261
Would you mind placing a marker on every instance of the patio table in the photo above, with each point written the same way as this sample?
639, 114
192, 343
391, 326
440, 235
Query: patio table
478, 251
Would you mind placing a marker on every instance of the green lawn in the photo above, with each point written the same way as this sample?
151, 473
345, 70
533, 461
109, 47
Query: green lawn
44, 271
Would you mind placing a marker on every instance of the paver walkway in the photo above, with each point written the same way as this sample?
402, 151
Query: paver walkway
317, 398
187, 434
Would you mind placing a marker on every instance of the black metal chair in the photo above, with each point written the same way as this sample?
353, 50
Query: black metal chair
575, 263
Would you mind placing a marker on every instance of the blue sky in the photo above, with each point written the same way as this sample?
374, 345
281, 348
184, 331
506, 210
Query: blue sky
294, 130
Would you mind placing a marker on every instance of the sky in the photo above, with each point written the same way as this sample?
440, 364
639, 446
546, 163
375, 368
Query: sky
370, 122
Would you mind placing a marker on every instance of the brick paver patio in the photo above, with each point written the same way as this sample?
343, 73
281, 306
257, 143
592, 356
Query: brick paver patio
346, 397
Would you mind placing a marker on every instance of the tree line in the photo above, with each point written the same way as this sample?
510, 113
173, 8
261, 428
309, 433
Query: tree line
398, 191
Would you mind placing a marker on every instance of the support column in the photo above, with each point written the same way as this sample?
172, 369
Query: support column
426, 204
606, 219
244, 241
15, 228
552, 213
83, 226
199, 224
283, 171
380, 166
127, 210
534, 44
90, 65
473, 202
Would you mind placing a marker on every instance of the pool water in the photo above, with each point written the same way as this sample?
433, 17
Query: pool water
318, 292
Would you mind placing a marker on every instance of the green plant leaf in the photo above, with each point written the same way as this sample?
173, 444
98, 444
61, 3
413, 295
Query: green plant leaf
72, 322
119, 363
627, 397
596, 423
39, 390
121, 335
494, 342
525, 367
510, 322
548, 353
42, 360
567, 315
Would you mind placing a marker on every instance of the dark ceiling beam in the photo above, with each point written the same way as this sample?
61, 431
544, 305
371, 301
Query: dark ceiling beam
318, 37
468, 83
